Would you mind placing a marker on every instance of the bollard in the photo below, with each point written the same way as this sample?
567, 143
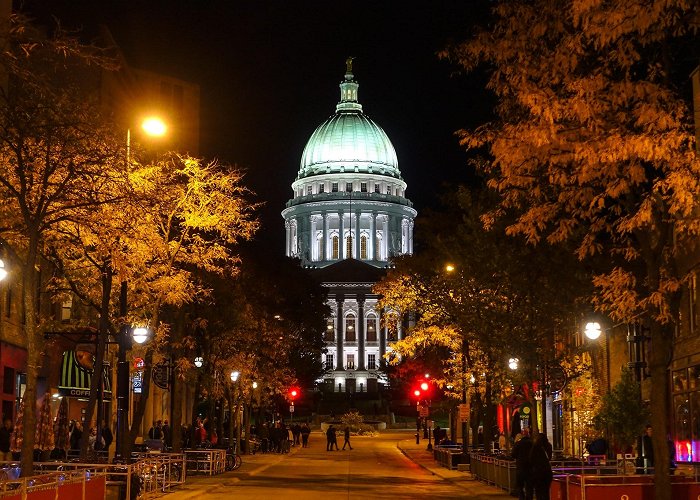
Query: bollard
417, 438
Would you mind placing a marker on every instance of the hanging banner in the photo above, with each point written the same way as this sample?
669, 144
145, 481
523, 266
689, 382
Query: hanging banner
161, 375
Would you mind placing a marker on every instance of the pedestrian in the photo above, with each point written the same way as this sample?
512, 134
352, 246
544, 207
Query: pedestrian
107, 435
334, 439
5, 431
521, 454
346, 438
647, 453
331, 438
75, 436
541, 469
305, 431
264, 436
167, 434
93, 442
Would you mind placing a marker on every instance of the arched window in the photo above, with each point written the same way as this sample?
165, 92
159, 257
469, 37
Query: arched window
329, 334
335, 247
350, 334
348, 247
371, 328
363, 247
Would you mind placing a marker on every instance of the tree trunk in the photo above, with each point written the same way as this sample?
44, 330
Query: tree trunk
30, 289
140, 409
662, 345
96, 396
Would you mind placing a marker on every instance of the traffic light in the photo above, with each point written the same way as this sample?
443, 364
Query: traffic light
293, 393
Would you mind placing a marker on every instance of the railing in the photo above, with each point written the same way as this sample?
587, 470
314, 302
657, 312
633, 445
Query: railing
210, 462
151, 475
449, 456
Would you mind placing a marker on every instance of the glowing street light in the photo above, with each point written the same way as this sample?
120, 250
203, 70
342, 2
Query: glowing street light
449, 268
234, 376
3, 271
154, 126
199, 361
140, 334
513, 363
593, 330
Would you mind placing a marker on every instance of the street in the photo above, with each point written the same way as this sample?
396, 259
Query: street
375, 468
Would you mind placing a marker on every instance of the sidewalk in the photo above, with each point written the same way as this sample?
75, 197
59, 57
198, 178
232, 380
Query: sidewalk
418, 454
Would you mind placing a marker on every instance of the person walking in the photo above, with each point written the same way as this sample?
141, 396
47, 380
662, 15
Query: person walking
305, 431
540, 456
5, 432
521, 454
346, 438
329, 438
334, 439
647, 451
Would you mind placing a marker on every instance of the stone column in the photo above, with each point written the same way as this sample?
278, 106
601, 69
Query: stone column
410, 236
313, 248
358, 256
361, 332
386, 244
382, 340
326, 254
372, 236
341, 239
288, 240
341, 333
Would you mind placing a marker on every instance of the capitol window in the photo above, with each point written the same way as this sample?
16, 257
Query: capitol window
329, 361
335, 247
348, 186
371, 362
321, 188
363, 247
377, 188
388, 190
351, 362
363, 187
348, 247
329, 335
309, 190
350, 329
371, 329
334, 187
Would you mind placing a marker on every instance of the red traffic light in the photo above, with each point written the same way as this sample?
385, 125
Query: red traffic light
416, 393
293, 393
424, 386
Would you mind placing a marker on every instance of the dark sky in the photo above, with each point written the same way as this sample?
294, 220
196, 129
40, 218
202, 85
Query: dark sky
269, 74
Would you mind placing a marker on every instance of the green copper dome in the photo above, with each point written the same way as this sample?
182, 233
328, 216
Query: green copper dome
349, 141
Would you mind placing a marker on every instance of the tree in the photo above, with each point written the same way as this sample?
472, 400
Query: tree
54, 146
592, 143
623, 413
487, 308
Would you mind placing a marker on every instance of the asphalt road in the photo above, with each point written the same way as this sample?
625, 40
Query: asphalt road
375, 468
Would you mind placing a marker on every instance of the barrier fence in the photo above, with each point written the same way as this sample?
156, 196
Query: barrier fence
149, 476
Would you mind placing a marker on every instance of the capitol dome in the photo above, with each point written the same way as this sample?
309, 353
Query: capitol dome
349, 141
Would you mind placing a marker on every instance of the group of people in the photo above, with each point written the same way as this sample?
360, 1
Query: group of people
332, 438
95, 442
277, 437
160, 435
533, 471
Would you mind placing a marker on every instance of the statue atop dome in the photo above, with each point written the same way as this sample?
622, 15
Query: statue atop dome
348, 65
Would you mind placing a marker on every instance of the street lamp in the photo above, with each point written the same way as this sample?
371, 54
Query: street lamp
3, 271
234, 376
198, 361
513, 363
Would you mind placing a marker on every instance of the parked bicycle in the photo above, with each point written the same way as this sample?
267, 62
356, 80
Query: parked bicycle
233, 459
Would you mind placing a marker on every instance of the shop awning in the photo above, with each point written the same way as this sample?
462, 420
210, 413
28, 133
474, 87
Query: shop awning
75, 379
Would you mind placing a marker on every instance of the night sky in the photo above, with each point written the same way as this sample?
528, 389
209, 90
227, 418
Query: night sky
269, 74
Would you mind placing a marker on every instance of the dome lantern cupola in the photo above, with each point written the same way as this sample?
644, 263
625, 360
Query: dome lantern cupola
348, 91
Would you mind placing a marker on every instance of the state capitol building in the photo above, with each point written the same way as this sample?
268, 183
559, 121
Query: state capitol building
348, 217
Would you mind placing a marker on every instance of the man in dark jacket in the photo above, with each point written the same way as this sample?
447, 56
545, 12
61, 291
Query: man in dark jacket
5, 432
521, 454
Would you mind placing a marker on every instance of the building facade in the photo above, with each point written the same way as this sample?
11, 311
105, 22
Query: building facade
348, 217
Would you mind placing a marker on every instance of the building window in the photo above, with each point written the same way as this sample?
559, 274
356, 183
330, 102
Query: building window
335, 247
371, 329
348, 187
388, 190
350, 329
363, 247
329, 361
66, 308
329, 334
321, 255
321, 188
8, 380
351, 362
334, 187
377, 188
309, 190
348, 247
371, 361
363, 187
